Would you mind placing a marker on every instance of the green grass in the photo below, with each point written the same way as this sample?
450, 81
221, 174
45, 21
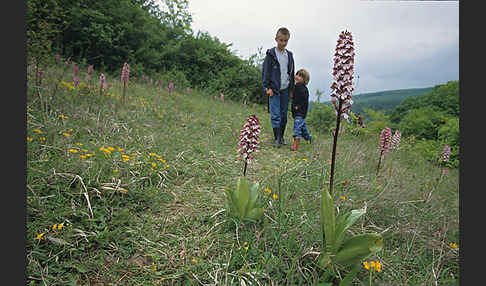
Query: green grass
134, 223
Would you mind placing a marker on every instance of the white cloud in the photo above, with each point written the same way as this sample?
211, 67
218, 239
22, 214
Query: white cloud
391, 37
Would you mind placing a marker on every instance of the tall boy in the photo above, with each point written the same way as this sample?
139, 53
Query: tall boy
300, 103
278, 83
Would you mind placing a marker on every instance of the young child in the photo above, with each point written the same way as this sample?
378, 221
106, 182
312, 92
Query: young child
300, 102
278, 83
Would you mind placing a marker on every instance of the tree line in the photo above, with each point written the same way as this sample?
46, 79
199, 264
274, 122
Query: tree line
155, 37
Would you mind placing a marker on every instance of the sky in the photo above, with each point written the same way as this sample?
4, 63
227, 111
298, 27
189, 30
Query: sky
398, 44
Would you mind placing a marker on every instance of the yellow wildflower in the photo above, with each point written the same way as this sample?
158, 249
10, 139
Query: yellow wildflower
43, 139
343, 198
366, 265
121, 149
453, 245
305, 159
73, 150
372, 264
66, 134
111, 148
154, 164
123, 191
378, 266
39, 236
29, 139
62, 116
82, 156
115, 171
54, 226
154, 267
275, 196
194, 260
79, 144
268, 190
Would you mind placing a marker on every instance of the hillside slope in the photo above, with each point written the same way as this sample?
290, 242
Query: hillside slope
137, 184
384, 100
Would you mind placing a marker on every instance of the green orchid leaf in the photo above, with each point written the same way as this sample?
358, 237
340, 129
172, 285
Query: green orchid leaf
255, 213
345, 221
253, 196
324, 260
242, 195
328, 223
358, 247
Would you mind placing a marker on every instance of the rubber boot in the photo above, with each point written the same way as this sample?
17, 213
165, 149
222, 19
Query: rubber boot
277, 134
296, 144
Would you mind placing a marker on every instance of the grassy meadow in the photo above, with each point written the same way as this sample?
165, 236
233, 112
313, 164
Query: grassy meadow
130, 191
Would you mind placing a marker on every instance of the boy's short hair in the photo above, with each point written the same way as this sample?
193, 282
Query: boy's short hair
304, 74
284, 31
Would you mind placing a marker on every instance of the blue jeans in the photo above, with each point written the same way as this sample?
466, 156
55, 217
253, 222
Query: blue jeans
300, 128
279, 106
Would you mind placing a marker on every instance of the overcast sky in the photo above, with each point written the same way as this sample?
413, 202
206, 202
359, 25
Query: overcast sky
398, 44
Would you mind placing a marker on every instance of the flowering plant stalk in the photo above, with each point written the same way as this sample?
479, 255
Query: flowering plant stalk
248, 140
444, 157
102, 83
243, 203
124, 76
385, 143
338, 251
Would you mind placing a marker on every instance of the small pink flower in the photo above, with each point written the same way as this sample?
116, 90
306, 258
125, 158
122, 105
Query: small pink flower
103, 81
445, 171
395, 141
125, 73
171, 86
221, 96
385, 139
446, 153
249, 138
343, 73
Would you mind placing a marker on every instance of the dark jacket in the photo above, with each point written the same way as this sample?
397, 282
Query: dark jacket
301, 99
271, 71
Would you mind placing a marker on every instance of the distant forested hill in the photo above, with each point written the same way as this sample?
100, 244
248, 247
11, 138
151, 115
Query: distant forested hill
384, 100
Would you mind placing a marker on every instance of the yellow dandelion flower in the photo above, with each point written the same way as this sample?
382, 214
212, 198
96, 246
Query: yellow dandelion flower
268, 190
246, 248
37, 131
343, 198
89, 155
66, 134
29, 139
60, 226
152, 154
79, 144
154, 164
275, 196
62, 116
43, 139
54, 226
121, 149
115, 171
372, 264
73, 150
453, 245
305, 159
366, 265
154, 267
111, 148
40, 235
245, 243
70, 130
83, 156
378, 266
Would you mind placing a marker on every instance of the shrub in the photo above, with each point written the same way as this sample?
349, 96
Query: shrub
321, 118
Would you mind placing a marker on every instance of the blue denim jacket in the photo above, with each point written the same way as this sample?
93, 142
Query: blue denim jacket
271, 71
